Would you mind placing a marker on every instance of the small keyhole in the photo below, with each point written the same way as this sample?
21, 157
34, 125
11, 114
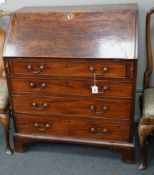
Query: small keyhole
70, 16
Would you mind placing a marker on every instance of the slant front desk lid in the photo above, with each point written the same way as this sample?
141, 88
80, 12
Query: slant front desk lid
108, 31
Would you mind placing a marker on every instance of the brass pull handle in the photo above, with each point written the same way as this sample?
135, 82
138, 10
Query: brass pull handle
36, 125
93, 130
105, 108
41, 68
45, 105
47, 125
92, 69
105, 69
39, 107
29, 67
34, 104
41, 86
31, 84
104, 130
105, 88
93, 108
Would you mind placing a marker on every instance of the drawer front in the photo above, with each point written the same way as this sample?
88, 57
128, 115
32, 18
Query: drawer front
72, 128
106, 69
72, 107
71, 87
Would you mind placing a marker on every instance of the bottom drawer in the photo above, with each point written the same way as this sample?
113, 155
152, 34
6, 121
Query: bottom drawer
73, 128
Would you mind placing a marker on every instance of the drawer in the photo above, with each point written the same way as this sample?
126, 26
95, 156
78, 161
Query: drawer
73, 128
72, 106
60, 67
71, 87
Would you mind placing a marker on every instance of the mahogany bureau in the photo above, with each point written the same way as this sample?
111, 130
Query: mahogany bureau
71, 74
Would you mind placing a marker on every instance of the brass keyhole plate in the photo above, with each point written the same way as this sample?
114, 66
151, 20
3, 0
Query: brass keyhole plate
70, 16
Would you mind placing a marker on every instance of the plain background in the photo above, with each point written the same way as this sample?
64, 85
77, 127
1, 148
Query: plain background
144, 6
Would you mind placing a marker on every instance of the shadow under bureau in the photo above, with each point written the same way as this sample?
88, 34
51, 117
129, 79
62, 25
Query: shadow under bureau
71, 74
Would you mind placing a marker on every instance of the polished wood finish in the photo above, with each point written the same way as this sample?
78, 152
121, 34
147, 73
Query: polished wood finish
72, 87
127, 149
51, 72
93, 34
146, 125
80, 68
73, 128
99, 108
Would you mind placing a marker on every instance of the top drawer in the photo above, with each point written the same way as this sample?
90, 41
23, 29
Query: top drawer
69, 67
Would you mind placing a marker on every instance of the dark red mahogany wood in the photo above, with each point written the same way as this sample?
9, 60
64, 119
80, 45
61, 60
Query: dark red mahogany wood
51, 56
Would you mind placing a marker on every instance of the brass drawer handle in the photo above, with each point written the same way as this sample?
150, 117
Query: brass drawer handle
105, 69
45, 105
36, 106
41, 86
36, 125
31, 84
93, 108
105, 88
92, 69
47, 125
104, 109
30, 68
104, 130
41, 67
93, 130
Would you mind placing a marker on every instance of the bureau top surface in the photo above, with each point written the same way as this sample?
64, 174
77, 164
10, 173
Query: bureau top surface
103, 31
